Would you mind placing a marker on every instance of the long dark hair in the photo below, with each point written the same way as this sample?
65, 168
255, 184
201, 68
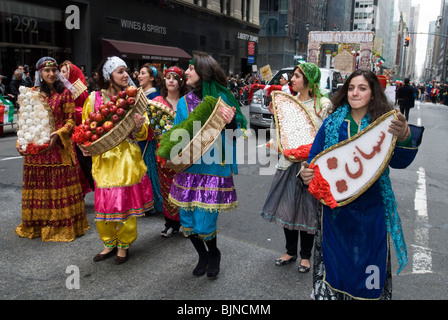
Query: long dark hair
58, 86
157, 83
183, 89
208, 69
377, 106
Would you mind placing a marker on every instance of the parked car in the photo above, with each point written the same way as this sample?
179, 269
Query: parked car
259, 115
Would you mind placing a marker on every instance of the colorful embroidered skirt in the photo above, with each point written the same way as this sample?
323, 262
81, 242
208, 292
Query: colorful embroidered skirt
121, 203
52, 203
200, 199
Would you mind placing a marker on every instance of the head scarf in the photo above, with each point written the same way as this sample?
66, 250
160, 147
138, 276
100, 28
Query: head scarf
74, 73
112, 64
285, 75
214, 89
50, 62
312, 73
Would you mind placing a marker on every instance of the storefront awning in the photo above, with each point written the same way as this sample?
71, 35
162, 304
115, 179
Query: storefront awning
143, 51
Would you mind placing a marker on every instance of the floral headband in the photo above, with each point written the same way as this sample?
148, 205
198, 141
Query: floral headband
47, 63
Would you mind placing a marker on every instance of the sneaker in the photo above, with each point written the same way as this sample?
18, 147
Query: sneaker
167, 232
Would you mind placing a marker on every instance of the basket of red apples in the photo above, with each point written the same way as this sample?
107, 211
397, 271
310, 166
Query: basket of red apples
112, 123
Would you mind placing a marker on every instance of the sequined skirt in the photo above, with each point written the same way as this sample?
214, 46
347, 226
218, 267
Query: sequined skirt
190, 191
52, 203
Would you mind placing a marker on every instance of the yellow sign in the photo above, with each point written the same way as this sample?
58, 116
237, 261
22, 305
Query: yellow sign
266, 72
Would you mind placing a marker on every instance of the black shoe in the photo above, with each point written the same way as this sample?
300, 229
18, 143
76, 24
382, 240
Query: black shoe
201, 267
121, 260
100, 257
280, 262
213, 265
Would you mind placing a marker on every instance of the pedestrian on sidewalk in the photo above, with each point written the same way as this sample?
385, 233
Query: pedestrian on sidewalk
406, 98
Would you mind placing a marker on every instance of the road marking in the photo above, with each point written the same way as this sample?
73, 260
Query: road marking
422, 259
10, 158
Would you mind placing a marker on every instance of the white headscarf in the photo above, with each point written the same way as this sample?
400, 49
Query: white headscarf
112, 64
38, 75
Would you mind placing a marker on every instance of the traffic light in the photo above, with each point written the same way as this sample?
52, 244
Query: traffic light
406, 41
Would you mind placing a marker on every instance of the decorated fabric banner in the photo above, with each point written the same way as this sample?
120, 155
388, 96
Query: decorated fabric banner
296, 128
346, 170
6, 110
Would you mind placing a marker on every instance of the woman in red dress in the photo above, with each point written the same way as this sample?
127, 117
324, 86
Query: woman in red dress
52, 200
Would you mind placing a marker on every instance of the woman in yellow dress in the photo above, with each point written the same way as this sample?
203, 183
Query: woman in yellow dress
123, 190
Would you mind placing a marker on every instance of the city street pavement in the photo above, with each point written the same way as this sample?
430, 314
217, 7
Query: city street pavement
161, 269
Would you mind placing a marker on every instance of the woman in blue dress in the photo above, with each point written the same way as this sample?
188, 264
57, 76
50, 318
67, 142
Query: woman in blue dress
352, 254
150, 82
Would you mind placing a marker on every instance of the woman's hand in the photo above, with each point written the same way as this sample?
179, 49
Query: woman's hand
21, 152
271, 108
400, 127
228, 114
139, 122
85, 153
306, 174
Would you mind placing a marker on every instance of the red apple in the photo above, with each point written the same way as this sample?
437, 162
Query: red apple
86, 127
115, 118
94, 137
92, 115
113, 109
109, 104
88, 134
113, 99
122, 94
99, 131
105, 112
130, 101
93, 125
98, 117
121, 103
121, 112
108, 125
131, 91
87, 121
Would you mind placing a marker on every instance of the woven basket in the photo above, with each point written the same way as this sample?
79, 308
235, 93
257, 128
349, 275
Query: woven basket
201, 142
80, 87
115, 136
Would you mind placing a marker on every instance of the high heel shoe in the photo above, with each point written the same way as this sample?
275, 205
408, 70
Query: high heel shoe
281, 262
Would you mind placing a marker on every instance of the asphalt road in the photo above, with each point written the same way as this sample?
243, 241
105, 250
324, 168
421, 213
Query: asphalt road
161, 269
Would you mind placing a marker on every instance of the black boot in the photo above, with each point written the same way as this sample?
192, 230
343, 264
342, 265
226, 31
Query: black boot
214, 258
203, 255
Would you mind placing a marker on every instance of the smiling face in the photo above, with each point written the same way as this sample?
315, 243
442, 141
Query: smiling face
120, 77
64, 72
359, 94
145, 79
192, 76
50, 75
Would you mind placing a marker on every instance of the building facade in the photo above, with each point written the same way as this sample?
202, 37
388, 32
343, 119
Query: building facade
163, 33
285, 24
